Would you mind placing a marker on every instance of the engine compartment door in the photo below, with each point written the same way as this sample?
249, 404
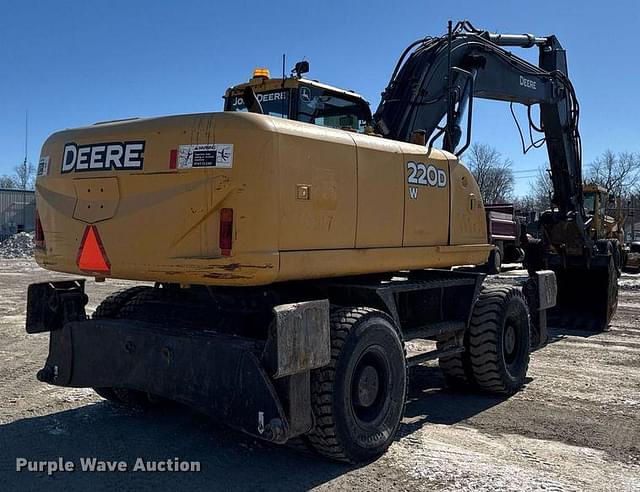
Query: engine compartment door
380, 192
426, 205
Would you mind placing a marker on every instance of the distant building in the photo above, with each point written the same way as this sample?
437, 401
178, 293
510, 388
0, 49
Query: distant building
17, 211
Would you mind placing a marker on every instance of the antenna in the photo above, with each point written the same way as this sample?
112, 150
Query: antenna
284, 77
26, 134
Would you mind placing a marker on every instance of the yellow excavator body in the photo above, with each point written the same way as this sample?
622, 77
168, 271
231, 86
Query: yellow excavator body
237, 198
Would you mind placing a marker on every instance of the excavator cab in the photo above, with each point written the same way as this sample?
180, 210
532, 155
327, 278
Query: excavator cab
595, 207
300, 99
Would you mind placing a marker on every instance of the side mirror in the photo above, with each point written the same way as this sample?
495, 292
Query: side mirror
301, 67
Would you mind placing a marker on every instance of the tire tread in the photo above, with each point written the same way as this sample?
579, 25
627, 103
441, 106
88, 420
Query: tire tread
324, 436
484, 330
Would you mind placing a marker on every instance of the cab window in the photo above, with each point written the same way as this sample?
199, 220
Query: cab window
274, 103
590, 203
326, 108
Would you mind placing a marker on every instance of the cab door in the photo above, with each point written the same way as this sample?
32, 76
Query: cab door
426, 198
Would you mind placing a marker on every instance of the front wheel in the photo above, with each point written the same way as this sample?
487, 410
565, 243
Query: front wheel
498, 342
358, 399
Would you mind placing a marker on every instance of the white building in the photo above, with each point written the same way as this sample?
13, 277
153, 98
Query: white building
17, 211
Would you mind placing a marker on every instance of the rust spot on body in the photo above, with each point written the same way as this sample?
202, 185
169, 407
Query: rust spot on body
236, 266
226, 276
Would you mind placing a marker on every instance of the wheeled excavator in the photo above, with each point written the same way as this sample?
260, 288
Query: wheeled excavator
295, 242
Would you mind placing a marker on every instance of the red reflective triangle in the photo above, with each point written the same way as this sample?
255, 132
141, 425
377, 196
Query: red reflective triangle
91, 256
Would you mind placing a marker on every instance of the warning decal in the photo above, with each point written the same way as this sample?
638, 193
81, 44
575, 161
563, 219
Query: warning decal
205, 155
43, 166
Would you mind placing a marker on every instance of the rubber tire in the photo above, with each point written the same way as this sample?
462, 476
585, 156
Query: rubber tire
130, 398
108, 394
112, 304
612, 292
337, 433
618, 256
454, 367
487, 362
614, 271
494, 264
109, 308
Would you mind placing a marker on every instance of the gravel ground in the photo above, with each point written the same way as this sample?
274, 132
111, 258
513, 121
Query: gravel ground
19, 245
575, 426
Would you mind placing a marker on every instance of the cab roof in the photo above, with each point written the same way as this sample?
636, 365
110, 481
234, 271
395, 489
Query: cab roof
260, 84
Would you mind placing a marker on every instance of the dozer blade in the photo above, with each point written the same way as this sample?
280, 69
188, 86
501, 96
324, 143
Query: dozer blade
587, 297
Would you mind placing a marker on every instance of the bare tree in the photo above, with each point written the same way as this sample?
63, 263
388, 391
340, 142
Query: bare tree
7, 182
542, 189
539, 197
492, 172
618, 172
24, 175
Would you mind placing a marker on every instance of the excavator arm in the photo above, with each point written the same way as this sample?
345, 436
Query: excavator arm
437, 78
431, 91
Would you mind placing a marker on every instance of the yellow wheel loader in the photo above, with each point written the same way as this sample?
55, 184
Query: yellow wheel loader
600, 225
591, 279
296, 242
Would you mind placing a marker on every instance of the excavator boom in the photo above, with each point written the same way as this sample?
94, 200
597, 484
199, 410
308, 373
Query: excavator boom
440, 77
431, 92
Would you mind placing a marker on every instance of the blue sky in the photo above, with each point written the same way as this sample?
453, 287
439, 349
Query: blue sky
71, 63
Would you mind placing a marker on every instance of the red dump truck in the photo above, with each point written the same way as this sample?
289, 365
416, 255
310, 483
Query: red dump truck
503, 229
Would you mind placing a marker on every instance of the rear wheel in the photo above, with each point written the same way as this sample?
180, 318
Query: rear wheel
358, 399
107, 394
129, 397
109, 308
112, 304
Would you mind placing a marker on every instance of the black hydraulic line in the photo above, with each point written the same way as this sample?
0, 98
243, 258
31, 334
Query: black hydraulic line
531, 123
448, 143
532, 145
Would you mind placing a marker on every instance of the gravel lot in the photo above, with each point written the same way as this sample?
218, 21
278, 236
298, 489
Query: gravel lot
575, 426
